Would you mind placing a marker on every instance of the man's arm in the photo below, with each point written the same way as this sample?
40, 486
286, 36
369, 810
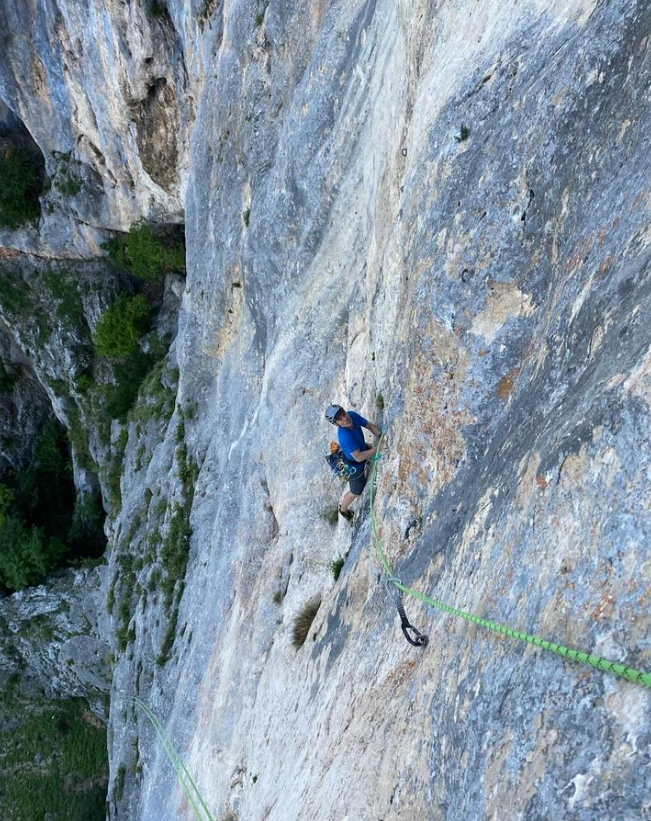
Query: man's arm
363, 455
373, 428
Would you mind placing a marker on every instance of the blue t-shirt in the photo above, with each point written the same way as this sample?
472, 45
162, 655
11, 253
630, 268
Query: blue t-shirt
352, 439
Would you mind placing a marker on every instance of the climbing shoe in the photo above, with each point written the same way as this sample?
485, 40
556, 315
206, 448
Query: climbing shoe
347, 515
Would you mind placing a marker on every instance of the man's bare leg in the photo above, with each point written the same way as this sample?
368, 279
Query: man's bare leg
348, 499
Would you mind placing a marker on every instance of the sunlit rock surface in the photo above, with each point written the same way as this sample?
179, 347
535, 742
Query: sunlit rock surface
445, 206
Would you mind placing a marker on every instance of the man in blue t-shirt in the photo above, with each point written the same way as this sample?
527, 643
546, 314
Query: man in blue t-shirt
356, 451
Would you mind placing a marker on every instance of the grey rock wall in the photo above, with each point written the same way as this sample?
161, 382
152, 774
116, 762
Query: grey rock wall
445, 205
103, 90
49, 636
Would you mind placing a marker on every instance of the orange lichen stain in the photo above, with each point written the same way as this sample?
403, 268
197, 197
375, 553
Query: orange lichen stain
604, 267
542, 482
605, 607
506, 384
636, 202
403, 671
8, 253
580, 252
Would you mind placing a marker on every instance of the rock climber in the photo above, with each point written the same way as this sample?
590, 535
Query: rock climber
356, 450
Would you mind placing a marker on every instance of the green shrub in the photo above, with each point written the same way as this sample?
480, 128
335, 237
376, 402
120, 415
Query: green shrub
175, 549
87, 522
464, 133
26, 554
64, 288
19, 188
129, 376
379, 401
145, 254
13, 293
157, 10
118, 790
121, 326
336, 567
8, 378
303, 621
69, 186
330, 514
6, 501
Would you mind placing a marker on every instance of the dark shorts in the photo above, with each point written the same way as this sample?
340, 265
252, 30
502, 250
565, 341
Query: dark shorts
358, 482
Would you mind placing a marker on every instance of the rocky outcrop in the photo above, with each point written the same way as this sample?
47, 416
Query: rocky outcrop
50, 638
104, 92
435, 214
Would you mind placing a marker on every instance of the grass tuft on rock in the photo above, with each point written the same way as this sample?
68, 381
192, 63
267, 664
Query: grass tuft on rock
336, 566
303, 621
330, 514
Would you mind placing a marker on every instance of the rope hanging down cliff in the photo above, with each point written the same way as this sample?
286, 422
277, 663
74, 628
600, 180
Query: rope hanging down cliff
191, 790
629, 673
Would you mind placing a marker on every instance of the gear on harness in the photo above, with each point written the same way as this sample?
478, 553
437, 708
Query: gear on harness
339, 464
417, 639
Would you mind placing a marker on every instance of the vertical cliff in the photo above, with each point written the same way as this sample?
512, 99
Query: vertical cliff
436, 214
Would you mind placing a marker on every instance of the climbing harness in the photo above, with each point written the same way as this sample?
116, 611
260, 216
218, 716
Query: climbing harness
185, 779
339, 465
622, 670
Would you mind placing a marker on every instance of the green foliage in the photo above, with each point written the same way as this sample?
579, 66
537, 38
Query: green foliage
87, 521
45, 491
78, 439
54, 760
157, 10
303, 621
330, 514
118, 790
176, 545
41, 520
336, 567
110, 598
174, 552
246, 216
8, 378
277, 597
6, 501
259, 18
19, 188
121, 326
114, 473
64, 288
379, 401
69, 185
13, 293
145, 254
129, 375
168, 639
26, 554
464, 133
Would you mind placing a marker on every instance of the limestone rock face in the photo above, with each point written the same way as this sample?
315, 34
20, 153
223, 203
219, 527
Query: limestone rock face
435, 214
103, 90
50, 635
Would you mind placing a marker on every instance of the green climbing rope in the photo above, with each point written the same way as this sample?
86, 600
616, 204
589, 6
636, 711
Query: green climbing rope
599, 663
185, 779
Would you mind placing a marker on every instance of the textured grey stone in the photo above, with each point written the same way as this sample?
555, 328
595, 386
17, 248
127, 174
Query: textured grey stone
344, 241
